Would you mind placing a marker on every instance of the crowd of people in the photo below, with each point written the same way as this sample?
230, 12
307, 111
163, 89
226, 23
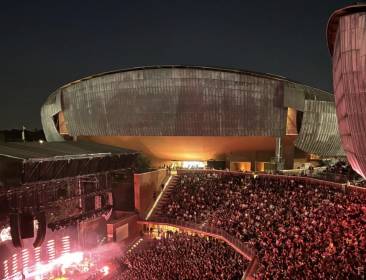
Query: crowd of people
341, 167
183, 257
361, 183
341, 170
299, 231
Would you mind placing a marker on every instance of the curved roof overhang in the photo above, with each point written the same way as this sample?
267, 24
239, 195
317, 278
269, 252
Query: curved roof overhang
333, 22
208, 68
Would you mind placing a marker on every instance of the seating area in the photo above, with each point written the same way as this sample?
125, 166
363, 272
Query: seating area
299, 230
183, 257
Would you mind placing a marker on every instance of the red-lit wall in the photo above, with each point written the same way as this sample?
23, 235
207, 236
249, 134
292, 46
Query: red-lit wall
349, 81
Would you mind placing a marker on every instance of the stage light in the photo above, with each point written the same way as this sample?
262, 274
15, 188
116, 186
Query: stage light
51, 249
193, 164
5, 234
25, 258
64, 262
37, 255
105, 270
65, 245
14, 263
6, 269
70, 258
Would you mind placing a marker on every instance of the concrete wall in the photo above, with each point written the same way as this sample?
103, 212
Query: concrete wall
145, 184
123, 219
122, 188
92, 232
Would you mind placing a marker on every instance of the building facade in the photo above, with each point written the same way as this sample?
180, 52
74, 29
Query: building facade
196, 113
346, 34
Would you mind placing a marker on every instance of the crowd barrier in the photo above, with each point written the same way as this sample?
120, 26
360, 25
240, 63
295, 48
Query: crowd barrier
299, 179
327, 176
315, 182
212, 171
317, 172
299, 171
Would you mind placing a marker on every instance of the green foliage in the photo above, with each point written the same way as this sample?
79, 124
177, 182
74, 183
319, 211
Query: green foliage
143, 163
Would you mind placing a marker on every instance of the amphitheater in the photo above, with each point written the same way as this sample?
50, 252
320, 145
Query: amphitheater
109, 195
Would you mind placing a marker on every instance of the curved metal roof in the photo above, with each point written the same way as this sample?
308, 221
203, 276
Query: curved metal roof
333, 21
210, 68
319, 130
177, 100
53, 151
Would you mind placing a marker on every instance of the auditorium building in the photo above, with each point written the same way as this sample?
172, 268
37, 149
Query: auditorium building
179, 114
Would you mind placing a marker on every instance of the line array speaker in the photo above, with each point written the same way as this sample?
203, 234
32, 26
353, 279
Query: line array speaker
15, 230
41, 231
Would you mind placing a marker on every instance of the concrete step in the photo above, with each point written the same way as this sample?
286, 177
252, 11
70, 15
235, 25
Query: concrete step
164, 198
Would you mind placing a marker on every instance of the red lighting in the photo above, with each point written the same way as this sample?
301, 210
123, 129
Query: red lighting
14, 264
105, 270
25, 258
37, 255
6, 269
51, 249
65, 245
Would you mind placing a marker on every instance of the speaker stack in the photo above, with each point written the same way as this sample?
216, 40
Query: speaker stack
22, 227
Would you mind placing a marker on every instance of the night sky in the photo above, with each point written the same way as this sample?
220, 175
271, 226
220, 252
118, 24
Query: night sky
44, 45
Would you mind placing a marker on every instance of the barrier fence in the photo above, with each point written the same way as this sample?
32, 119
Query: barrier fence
315, 182
321, 181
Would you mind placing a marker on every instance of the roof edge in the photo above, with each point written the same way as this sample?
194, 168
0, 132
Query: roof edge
333, 22
177, 66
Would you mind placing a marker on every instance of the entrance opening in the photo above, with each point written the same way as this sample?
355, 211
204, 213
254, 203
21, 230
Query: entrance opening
240, 166
193, 164
60, 123
260, 166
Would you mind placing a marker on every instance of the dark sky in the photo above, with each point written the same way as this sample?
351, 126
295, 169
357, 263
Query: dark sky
45, 44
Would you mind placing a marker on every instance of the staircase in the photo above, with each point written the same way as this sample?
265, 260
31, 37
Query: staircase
162, 198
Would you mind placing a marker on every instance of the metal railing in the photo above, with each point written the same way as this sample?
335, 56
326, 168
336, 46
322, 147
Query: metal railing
317, 174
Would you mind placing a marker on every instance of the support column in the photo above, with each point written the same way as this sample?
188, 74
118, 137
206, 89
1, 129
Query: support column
278, 153
288, 152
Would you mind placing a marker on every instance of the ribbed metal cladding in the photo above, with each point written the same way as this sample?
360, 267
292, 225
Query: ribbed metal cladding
349, 81
295, 95
319, 130
51, 107
187, 101
175, 102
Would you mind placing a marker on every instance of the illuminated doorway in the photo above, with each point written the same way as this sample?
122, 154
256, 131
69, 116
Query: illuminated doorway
240, 166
